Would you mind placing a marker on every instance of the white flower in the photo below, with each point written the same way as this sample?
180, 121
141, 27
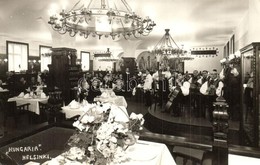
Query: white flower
91, 149
113, 139
142, 121
87, 119
78, 125
133, 116
140, 116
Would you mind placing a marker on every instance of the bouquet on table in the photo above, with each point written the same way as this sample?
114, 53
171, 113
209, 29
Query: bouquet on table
104, 132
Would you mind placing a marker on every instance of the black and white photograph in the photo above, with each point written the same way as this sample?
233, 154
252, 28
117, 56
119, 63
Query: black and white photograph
129, 82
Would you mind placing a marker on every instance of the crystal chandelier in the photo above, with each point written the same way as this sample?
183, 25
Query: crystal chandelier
168, 47
101, 19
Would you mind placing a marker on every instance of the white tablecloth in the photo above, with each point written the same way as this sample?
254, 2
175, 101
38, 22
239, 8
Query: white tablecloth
34, 103
145, 153
71, 112
245, 160
3, 90
117, 100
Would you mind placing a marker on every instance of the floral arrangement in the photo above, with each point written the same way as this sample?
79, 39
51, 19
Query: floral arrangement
102, 137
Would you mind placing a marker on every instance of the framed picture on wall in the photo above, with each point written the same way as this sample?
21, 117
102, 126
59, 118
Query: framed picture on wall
85, 60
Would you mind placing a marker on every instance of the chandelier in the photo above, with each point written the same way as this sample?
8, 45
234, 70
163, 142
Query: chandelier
101, 19
168, 47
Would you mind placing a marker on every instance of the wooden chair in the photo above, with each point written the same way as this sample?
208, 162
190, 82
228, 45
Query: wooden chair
44, 107
53, 107
11, 109
186, 155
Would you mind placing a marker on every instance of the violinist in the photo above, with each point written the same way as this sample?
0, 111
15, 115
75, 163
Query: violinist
211, 89
176, 95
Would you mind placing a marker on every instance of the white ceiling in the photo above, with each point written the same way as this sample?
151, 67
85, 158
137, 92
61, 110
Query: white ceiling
191, 22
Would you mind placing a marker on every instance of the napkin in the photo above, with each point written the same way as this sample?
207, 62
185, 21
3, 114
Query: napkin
21, 94
26, 96
43, 95
104, 94
119, 113
112, 94
39, 88
74, 104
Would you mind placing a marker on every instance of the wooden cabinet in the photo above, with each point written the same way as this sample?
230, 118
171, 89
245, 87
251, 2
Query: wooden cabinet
74, 74
250, 56
63, 71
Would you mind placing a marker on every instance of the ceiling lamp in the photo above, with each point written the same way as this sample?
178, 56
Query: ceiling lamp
101, 18
168, 47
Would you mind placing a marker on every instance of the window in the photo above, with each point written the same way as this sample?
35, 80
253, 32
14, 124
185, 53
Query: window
17, 56
45, 54
84, 60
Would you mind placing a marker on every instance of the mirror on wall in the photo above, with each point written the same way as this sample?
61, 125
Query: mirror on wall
250, 96
247, 97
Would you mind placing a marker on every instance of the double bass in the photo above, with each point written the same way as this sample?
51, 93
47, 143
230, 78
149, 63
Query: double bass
171, 97
173, 94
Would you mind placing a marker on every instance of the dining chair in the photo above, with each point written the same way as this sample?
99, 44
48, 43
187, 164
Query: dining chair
53, 107
11, 109
43, 107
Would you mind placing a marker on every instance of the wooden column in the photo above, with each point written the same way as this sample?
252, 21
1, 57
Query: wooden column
63, 62
220, 133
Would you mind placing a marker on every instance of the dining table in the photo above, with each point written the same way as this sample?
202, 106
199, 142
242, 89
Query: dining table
33, 101
108, 96
141, 153
77, 109
117, 100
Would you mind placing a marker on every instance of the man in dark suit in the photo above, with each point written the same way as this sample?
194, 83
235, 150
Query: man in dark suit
127, 78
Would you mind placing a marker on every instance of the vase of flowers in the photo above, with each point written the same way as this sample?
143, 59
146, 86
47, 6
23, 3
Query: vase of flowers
101, 137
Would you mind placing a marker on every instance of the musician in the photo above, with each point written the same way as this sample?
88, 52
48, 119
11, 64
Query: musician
127, 77
161, 87
147, 88
202, 98
232, 89
194, 91
172, 79
211, 89
177, 94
